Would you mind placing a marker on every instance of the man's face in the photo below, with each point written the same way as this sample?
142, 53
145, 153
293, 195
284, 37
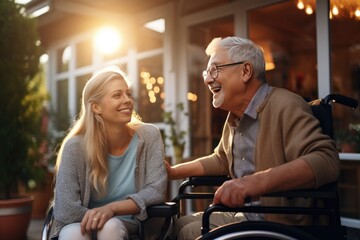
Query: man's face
227, 88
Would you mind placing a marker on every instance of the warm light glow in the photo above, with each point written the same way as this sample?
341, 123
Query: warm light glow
338, 8
149, 86
335, 10
145, 75
107, 40
44, 58
191, 96
300, 5
309, 10
269, 66
152, 85
156, 89
357, 13
160, 80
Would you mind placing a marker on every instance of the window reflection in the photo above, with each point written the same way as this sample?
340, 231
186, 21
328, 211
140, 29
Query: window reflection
288, 38
345, 59
151, 89
63, 56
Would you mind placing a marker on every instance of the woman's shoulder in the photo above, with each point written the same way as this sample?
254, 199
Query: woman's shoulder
75, 142
146, 129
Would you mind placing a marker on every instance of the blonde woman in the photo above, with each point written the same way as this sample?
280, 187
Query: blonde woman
110, 165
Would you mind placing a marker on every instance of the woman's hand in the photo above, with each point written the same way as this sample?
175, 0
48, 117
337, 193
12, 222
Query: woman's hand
96, 218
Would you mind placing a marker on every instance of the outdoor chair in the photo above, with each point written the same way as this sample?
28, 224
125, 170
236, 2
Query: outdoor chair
327, 195
165, 210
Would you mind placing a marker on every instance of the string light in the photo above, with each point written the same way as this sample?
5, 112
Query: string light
338, 8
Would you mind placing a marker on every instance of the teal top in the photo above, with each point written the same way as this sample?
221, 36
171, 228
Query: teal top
121, 180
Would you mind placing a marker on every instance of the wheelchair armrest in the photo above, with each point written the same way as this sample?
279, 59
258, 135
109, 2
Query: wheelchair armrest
326, 192
196, 181
208, 180
166, 209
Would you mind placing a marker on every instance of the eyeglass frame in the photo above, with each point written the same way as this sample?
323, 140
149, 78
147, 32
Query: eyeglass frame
207, 72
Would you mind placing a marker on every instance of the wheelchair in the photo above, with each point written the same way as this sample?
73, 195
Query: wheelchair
326, 199
165, 210
328, 194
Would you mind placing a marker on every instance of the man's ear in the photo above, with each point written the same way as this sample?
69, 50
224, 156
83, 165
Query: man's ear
247, 72
95, 108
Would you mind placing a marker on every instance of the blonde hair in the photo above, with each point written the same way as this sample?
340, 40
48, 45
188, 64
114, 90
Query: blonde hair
91, 126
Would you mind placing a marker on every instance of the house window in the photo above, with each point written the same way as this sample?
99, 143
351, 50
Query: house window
345, 79
150, 35
151, 89
80, 84
345, 66
62, 104
63, 56
206, 122
288, 38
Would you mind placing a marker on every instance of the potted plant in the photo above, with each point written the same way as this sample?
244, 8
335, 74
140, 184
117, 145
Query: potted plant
349, 139
177, 136
20, 108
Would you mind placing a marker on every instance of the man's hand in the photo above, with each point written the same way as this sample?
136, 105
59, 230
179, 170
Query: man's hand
96, 218
237, 192
231, 193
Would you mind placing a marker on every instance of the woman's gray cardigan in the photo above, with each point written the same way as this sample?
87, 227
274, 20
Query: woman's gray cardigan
72, 189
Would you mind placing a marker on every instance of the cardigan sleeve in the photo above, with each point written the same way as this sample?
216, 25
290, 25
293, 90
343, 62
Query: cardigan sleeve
289, 130
70, 182
150, 171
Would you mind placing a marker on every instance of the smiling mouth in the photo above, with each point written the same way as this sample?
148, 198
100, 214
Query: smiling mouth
125, 110
215, 90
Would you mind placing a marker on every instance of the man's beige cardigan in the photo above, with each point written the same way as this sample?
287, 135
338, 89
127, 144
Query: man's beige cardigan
288, 130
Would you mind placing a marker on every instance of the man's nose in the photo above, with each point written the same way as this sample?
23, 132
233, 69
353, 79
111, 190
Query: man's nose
208, 79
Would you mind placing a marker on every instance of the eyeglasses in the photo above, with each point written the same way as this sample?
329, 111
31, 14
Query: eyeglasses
213, 70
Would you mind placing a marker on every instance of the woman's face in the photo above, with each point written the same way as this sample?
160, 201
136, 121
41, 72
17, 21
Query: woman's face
117, 105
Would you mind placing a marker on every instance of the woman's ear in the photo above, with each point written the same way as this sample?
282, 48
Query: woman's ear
247, 71
95, 108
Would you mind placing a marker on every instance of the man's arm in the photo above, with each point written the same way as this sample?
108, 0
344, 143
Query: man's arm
184, 170
295, 174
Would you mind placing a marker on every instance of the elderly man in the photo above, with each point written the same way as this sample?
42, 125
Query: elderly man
270, 141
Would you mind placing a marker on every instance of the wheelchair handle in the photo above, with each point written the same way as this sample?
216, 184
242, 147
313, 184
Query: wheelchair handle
338, 98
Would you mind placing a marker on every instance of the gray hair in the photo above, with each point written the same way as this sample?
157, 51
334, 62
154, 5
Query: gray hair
241, 49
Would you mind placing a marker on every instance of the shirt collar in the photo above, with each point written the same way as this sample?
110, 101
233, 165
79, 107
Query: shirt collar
253, 108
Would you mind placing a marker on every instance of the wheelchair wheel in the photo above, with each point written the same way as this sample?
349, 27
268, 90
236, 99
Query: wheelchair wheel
256, 230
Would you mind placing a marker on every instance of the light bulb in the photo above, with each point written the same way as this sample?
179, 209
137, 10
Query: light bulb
309, 10
300, 5
335, 10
